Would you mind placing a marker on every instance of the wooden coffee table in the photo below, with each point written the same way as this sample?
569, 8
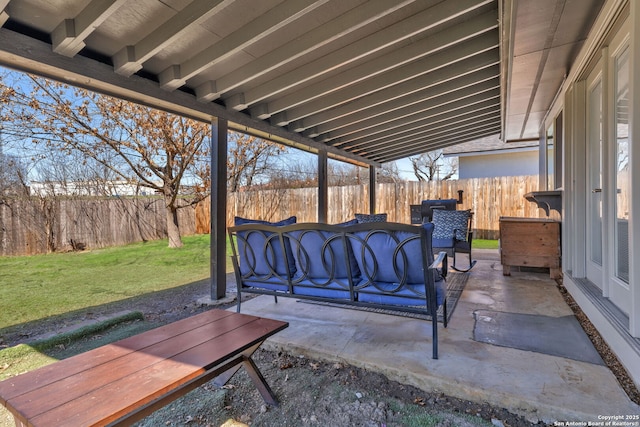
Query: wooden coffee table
127, 380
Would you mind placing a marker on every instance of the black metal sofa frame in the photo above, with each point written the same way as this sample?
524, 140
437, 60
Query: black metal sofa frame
377, 265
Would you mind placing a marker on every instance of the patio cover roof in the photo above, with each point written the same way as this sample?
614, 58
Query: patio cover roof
368, 81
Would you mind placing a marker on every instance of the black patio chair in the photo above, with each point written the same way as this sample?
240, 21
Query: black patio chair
452, 229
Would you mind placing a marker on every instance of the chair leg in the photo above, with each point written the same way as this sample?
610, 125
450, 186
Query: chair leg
463, 270
444, 313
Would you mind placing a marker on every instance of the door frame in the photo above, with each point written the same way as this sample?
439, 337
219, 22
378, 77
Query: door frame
616, 289
596, 273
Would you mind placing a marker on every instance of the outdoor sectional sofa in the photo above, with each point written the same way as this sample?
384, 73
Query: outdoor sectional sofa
380, 265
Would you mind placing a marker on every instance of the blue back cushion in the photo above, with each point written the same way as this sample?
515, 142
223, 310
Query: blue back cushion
398, 256
322, 255
449, 224
262, 254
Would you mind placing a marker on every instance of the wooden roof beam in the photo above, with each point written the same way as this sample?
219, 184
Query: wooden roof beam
383, 138
335, 90
403, 30
449, 128
403, 150
130, 58
4, 16
344, 24
428, 109
266, 24
468, 115
441, 60
68, 37
410, 92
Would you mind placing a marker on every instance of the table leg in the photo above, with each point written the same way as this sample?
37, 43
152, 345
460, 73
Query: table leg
224, 378
260, 382
254, 373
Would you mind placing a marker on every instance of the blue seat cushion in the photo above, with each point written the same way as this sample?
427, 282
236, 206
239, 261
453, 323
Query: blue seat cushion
409, 295
332, 290
408, 263
262, 254
272, 284
443, 243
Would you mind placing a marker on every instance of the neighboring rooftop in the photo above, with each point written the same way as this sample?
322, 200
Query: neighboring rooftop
489, 143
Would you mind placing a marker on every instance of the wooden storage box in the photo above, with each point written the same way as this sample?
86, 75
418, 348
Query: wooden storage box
530, 242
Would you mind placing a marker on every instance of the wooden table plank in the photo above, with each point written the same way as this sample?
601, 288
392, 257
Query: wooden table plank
142, 387
142, 369
88, 360
55, 393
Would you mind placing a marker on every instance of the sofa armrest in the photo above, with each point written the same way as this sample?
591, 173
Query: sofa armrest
441, 260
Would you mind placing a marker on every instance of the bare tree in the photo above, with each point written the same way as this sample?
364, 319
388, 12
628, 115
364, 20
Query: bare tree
302, 173
11, 168
131, 142
433, 166
250, 160
388, 173
292, 172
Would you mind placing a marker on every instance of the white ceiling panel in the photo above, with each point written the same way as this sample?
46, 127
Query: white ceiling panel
368, 81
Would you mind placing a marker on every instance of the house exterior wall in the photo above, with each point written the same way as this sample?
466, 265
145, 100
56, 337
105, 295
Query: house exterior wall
498, 164
611, 301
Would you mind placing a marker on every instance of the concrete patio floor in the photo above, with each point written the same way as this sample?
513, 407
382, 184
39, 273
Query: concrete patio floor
539, 386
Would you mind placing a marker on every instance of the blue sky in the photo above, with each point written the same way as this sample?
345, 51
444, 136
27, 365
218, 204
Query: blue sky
404, 165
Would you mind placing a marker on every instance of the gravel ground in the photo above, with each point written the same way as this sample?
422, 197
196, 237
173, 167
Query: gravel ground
601, 346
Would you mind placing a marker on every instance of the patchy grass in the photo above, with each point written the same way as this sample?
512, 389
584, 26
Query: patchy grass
485, 244
27, 357
39, 286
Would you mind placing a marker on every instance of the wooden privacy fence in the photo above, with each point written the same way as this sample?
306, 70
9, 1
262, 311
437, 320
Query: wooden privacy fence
40, 225
488, 198
36, 226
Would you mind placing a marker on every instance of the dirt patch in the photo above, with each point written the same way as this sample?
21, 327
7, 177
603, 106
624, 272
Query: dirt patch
315, 393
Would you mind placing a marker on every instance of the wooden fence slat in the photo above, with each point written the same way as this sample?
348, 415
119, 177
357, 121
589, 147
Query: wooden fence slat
31, 226
488, 198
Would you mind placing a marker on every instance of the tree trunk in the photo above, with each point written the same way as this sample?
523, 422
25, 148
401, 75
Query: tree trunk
47, 207
173, 230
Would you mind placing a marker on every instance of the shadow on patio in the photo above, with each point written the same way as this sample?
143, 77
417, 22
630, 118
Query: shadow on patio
512, 342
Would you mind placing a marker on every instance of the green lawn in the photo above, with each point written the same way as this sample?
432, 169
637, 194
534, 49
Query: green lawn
35, 287
484, 244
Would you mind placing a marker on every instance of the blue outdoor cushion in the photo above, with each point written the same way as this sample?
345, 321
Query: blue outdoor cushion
322, 255
331, 290
377, 259
262, 255
443, 243
408, 296
449, 224
366, 218
384, 244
